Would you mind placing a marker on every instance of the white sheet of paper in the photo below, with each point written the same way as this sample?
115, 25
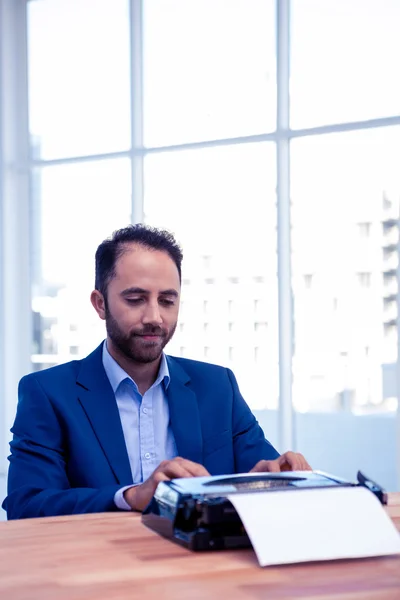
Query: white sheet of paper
318, 524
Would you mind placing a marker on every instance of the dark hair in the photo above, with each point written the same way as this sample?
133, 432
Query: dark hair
112, 248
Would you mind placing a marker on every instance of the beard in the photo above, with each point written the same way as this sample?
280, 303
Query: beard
133, 345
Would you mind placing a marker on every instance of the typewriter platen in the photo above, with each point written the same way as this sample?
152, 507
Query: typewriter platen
197, 514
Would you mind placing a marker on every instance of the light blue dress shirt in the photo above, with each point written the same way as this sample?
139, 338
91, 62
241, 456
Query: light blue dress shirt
145, 421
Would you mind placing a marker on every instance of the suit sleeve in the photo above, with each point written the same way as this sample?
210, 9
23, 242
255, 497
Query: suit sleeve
249, 443
38, 484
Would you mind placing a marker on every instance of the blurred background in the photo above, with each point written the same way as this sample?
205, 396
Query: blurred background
266, 136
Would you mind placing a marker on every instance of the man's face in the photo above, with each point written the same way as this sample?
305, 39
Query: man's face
142, 304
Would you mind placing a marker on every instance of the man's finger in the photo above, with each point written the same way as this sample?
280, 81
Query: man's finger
266, 466
287, 461
195, 469
174, 470
259, 467
160, 476
302, 464
293, 461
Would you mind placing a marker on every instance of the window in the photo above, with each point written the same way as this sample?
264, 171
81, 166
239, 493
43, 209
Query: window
352, 80
217, 180
215, 190
262, 307
78, 77
71, 208
207, 261
366, 164
364, 279
213, 64
308, 280
79, 105
364, 230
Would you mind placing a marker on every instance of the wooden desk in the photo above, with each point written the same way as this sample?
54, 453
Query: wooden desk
113, 556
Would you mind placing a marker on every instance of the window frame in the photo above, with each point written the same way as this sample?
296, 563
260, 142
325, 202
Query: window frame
15, 292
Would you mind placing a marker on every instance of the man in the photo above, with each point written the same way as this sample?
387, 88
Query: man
99, 434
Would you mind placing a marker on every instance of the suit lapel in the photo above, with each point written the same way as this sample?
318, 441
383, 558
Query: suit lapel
97, 398
184, 413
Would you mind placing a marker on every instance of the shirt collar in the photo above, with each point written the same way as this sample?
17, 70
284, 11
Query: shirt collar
117, 375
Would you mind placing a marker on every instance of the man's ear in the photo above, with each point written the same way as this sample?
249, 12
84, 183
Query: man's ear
97, 299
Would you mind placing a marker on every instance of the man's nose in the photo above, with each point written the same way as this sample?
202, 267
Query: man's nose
152, 314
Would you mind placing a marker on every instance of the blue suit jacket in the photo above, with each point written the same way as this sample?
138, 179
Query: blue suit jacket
68, 453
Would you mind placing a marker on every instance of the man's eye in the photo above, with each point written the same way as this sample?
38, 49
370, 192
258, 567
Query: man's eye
166, 302
134, 300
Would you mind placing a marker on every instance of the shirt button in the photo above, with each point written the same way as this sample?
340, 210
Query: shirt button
145, 411
147, 455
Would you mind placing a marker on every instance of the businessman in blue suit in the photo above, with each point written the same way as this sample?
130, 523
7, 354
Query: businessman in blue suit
99, 434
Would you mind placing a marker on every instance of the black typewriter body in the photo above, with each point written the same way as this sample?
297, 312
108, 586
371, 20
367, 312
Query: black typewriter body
196, 513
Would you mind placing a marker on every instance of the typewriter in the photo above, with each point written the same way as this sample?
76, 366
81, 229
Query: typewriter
196, 513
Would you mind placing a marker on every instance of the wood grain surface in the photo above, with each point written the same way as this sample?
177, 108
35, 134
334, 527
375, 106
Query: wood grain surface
113, 556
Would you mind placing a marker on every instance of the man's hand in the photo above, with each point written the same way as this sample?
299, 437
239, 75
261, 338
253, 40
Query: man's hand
139, 496
290, 461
